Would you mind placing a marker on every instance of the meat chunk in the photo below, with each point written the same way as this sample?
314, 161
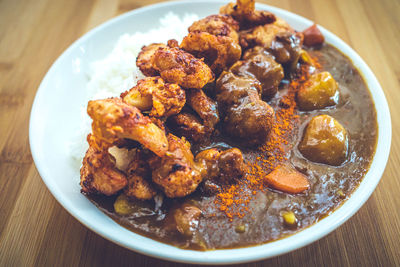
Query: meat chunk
152, 93
98, 172
188, 125
139, 176
204, 106
144, 60
113, 119
251, 120
259, 64
246, 116
278, 38
218, 25
264, 35
219, 52
325, 140
319, 91
222, 167
313, 36
231, 89
244, 12
175, 172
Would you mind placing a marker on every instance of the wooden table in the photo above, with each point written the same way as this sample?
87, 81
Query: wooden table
36, 230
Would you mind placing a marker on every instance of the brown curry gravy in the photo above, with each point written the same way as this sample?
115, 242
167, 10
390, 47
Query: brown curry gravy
330, 185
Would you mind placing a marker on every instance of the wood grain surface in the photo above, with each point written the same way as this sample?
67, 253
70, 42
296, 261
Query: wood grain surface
36, 230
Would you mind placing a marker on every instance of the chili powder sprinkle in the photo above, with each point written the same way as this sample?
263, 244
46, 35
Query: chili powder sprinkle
233, 199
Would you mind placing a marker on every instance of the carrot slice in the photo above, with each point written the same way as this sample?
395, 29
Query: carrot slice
287, 179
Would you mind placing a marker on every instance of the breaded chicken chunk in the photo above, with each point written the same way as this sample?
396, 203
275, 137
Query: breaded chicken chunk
174, 66
219, 25
219, 52
152, 93
98, 172
204, 106
244, 12
144, 59
176, 172
139, 175
188, 125
178, 66
113, 119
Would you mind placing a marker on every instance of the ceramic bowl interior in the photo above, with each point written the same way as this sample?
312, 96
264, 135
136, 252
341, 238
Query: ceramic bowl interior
56, 113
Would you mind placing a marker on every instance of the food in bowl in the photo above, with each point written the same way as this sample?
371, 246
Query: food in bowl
243, 133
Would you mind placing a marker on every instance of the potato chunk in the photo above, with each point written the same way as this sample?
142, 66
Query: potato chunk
320, 91
187, 219
325, 141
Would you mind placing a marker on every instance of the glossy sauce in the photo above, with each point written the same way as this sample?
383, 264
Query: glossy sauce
330, 185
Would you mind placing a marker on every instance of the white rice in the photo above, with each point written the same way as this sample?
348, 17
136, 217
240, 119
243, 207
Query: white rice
117, 72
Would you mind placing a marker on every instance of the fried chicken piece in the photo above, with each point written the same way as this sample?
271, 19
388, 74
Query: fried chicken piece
218, 25
175, 172
144, 59
278, 38
259, 64
204, 106
246, 116
138, 175
189, 126
244, 12
219, 52
164, 99
113, 119
98, 172
177, 66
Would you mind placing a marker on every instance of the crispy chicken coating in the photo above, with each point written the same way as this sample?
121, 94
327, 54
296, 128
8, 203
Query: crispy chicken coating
244, 12
189, 126
98, 172
175, 66
218, 52
204, 106
163, 99
144, 59
113, 119
178, 66
175, 172
218, 25
138, 175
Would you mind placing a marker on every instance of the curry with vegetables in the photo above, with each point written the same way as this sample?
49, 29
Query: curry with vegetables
245, 132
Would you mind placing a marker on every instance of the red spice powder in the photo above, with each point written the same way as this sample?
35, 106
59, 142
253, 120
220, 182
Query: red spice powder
233, 199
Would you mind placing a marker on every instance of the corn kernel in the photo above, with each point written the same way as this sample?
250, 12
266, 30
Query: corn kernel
289, 218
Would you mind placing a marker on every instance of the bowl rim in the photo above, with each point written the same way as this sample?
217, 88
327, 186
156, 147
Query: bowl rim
258, 252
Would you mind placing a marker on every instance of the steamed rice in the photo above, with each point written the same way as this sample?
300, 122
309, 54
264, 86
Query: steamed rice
117, 72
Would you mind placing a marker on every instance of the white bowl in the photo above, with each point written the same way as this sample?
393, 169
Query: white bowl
56, 113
